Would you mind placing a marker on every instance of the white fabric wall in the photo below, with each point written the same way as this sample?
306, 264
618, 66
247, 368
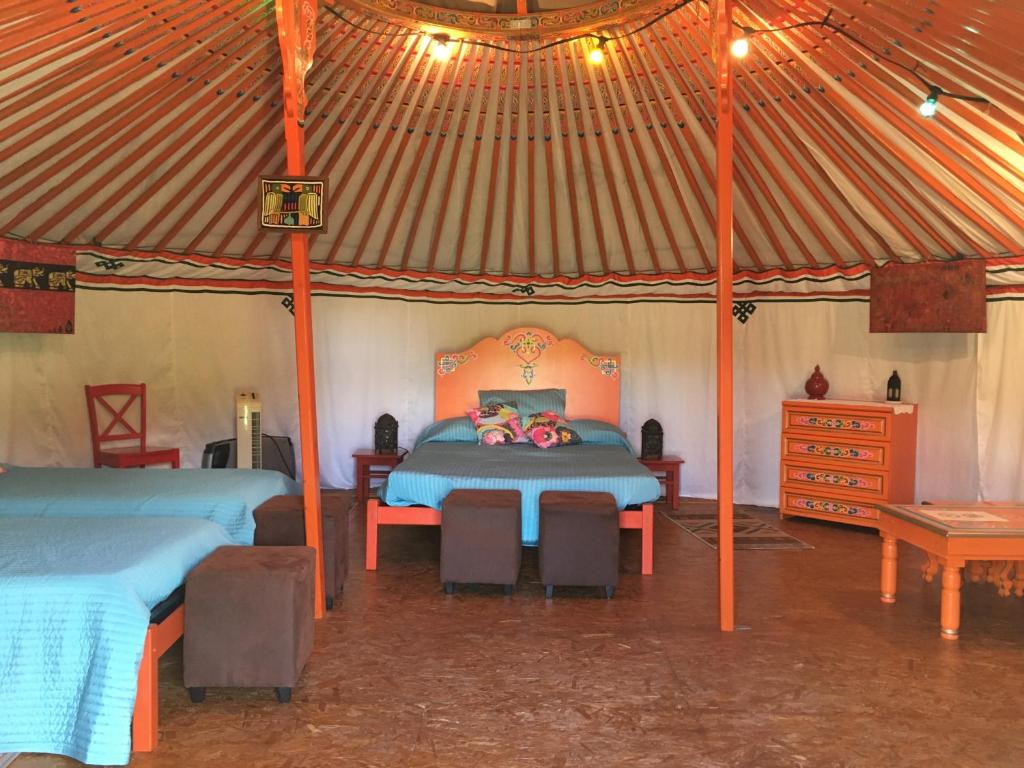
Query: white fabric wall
373, 356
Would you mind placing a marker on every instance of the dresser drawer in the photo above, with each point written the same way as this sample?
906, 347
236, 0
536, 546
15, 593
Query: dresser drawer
830, 480
851, 454
872, 425
796, 502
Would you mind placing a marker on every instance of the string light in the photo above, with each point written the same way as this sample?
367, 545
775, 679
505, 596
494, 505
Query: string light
442, 47
521, 49
740, 47
931, 103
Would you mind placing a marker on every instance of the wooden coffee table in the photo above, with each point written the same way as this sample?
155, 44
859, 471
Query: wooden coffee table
951, 534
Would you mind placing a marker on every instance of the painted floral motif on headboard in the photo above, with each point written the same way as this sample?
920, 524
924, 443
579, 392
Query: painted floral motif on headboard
528, 346
448, 362
609, 366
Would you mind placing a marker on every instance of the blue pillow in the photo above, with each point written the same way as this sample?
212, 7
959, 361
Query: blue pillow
458, 429
597, 432
528, 401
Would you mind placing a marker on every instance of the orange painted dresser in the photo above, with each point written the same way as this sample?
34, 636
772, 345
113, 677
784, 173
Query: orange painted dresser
840, 458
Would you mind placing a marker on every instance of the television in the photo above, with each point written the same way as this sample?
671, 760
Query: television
278, 453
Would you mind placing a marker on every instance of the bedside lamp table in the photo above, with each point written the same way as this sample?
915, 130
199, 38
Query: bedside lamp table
667, 469
372, 465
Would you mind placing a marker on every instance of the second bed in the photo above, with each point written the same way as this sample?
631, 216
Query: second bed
521, 362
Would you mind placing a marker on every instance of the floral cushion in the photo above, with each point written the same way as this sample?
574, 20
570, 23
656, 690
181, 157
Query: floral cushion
549, 430
497, 424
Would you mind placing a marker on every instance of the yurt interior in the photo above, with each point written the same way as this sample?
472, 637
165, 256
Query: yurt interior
511, 383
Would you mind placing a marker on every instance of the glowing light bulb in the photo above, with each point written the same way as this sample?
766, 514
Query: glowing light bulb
740, 47
930, 104
442, 47
596, 54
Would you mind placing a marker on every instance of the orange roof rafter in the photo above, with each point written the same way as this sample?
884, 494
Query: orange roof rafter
145, 127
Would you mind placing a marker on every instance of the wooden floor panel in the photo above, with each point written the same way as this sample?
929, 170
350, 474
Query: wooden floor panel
826, 676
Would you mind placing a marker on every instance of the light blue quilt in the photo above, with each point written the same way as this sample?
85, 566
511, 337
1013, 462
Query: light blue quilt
438, 467
224, 496
75, 596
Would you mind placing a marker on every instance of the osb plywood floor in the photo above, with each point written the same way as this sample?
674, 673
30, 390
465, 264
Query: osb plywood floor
826, 675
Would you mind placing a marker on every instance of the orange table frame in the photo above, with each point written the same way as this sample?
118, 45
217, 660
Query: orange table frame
377, 515
146, 718
951, 551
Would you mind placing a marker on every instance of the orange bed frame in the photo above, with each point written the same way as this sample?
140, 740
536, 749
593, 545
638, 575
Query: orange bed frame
522, 358
146, 718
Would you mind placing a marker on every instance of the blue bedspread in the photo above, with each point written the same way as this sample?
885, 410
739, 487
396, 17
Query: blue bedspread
224, 496
436, 468
75, 596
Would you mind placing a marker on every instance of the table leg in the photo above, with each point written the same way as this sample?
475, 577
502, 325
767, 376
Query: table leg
362, 483
888, 569
1001, 577
950, 614
672, 487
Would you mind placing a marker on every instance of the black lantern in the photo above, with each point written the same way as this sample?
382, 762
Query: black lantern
652, 436
893, 390
385, 434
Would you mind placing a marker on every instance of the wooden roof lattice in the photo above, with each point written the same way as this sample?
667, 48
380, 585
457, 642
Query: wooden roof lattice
145, 126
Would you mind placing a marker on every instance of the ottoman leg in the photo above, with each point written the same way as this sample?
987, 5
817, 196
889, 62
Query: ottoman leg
197, 695
549, 591
449, 587
609, 592
509, 588
284, 695
330, 603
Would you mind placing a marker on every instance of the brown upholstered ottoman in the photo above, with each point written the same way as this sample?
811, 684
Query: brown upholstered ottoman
481, 538
579, 540
280, 522
249, 619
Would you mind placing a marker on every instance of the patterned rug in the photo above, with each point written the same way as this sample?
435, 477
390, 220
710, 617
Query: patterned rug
749, 532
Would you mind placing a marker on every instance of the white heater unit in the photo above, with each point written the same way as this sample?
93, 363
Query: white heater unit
248, 431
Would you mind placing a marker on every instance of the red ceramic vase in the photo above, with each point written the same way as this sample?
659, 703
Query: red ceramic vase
817, 385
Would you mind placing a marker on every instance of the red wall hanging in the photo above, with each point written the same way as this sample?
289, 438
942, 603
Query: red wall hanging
37, 288
935, 297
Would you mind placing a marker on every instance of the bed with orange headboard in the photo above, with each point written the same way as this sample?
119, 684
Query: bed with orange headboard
528, 359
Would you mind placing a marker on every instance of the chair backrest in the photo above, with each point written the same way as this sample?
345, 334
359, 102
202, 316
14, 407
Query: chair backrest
111, 421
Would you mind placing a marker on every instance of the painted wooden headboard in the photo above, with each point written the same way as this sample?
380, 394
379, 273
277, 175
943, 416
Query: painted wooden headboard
529, 358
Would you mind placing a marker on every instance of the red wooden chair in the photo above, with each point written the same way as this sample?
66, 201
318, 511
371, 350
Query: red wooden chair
119, 429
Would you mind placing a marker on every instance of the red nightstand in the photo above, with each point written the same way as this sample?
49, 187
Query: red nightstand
370, 464
667, 469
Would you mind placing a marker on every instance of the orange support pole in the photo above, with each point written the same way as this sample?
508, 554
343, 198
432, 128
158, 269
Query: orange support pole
289, 36
723, 307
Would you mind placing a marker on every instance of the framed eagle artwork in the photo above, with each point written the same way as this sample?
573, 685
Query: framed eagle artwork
293, 202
